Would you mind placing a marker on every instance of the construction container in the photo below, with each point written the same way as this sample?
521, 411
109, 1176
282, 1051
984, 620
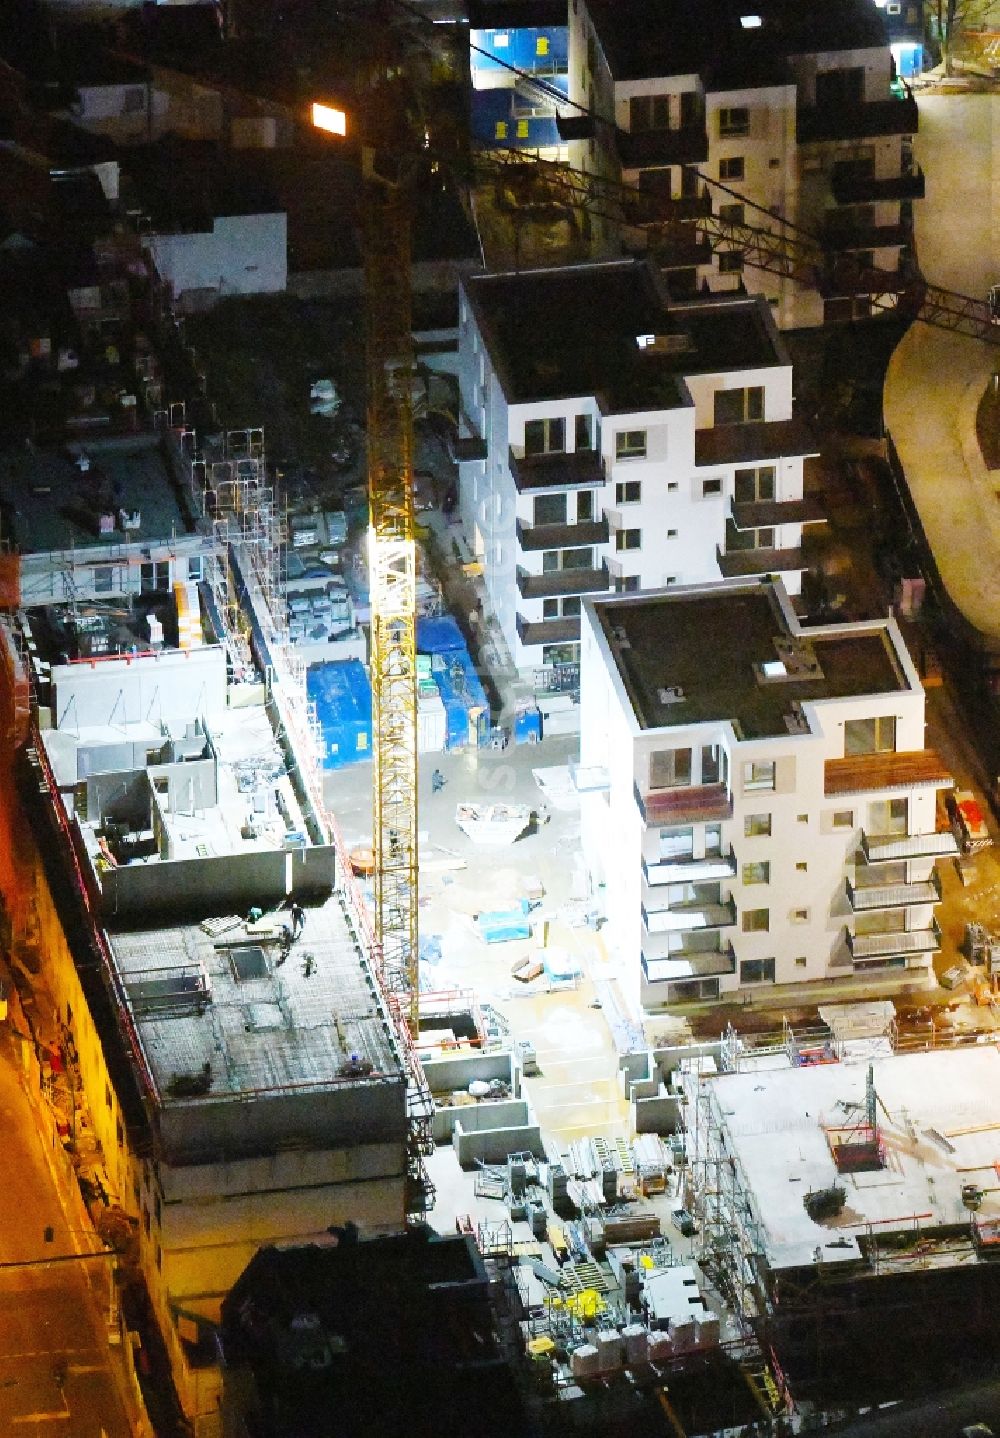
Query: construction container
708, 1331
432, 722
343, 698
636, 1341
684, 1333
660, 1347
610, 1350
466, 706
584, 1361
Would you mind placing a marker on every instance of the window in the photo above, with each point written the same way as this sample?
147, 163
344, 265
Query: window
758, 872
550, 608
500, 130
757, 971
888, 816
628, 539
758, 774
803, 818
669, 768
626, 583
544, 436
732, 169
571, 606
672, 486
843, 819
713, 764
550, 509
133, 102
671, 534
583, 427
752, 485
802, 866
649, 112
676, 844
628, 493
870, 736
730, 262
584, 505
800, 916
195, 567
737, 406
734, 120
567, 608
757, 826
800, 963
710, 487
542, 45
756, 921
103, 578
555, 559
731, 214
155, 576
630, 444
501, 40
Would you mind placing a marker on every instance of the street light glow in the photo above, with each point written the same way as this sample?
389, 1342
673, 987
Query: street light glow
326, 117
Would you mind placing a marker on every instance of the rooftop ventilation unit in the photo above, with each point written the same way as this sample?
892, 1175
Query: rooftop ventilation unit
672, 694
796, 663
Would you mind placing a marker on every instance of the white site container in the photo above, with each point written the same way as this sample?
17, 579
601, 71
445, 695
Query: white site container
432, 724
584, 1361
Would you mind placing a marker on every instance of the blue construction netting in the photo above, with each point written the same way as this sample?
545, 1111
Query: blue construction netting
343, 698
467, 710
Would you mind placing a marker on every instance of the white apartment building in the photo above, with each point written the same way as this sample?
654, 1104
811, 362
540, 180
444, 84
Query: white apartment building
623, 441
755, 113
767, 811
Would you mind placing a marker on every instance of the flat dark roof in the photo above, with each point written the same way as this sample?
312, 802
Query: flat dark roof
518, 14
644, 39
710, 645
47, 504
553, 334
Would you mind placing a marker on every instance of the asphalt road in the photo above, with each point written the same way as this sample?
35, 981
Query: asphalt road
48, 1315
936, 379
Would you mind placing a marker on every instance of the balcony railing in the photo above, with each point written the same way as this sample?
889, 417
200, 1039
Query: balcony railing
547, 631
580, 469
839, 234
898, 945
686, 918
894, 896
680, 966
851, 188
755, 441
561, 581
560, 536
758, 561
879, 848
648, 207
688, 871
638, 149
681, 251
766, 514
850, 120
690, 804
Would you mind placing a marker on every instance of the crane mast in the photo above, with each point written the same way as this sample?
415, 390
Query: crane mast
392, 578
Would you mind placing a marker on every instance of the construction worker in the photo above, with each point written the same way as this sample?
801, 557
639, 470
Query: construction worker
438, 781
298, 919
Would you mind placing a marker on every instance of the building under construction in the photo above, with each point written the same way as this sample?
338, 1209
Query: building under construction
848, 1196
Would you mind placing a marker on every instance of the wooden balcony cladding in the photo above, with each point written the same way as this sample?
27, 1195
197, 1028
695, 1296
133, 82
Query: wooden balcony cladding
692, 804
579, 469
561, 581
561, 536
742, 563
756, 440
850, 188
767, 513
851, 121
547, 631
685, 146
871, 773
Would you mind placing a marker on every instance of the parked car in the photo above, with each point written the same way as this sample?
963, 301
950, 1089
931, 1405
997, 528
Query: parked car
684, 1222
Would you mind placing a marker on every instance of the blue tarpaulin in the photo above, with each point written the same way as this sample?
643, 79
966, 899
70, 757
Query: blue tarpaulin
343, 698
457, 681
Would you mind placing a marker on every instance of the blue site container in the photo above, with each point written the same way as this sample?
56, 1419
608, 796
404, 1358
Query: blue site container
528, 726
343, 698
467, 710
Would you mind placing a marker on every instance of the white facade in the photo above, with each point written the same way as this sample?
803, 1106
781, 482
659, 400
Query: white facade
819, 137
783, 829
593, 491
239, 255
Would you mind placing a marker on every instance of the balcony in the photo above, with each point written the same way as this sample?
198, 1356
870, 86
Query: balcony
894, 946
766, 513
685, 805
746, 562
647, 206
849, 187
560, 536
851, 120
547, 631
561, 581
579, 469
879, 848
689, 871
894, 896
679, 251
755, 441
638, 149
848, 274
686, 918
878, 773
841, 234
681, 966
